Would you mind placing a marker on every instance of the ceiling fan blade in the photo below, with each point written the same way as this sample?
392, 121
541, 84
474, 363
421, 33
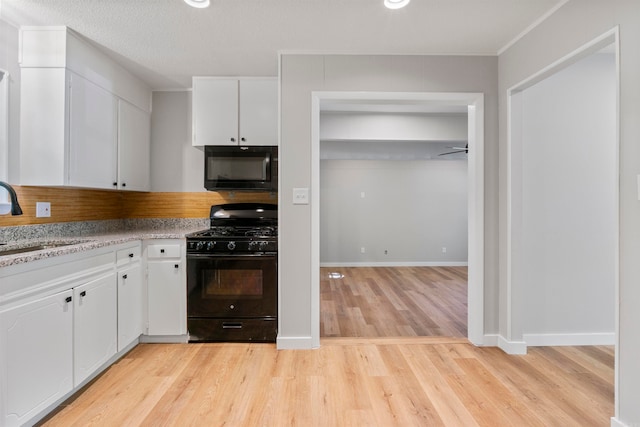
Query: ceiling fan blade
453, 152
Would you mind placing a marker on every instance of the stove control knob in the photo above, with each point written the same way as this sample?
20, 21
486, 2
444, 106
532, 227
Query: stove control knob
252, 245
199, 245
263, 244
231, 245
210, 245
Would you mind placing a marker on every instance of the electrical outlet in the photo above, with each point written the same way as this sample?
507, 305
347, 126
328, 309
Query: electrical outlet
362, 250
43, 209
444, 250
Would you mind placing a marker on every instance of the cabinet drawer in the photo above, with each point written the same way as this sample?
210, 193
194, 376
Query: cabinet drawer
163, 251
128, 255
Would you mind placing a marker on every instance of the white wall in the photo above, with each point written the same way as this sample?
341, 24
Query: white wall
301, 75
393, 126
9, 62
569, 205
401, 212
175, 164
573, 25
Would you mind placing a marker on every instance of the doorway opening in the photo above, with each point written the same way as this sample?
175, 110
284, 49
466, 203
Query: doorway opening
393, 221
474, 104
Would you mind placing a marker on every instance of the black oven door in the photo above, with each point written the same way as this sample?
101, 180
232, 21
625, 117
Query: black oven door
231, 286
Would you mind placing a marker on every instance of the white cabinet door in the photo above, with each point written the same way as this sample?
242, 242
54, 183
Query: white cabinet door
36, 356
130, 305
166, 283
215, 111
94, 326
133, 148
92, 135
259, 112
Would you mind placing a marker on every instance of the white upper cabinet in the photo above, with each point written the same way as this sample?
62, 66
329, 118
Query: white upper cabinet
134, 144
229, 111
93, 139
84, 120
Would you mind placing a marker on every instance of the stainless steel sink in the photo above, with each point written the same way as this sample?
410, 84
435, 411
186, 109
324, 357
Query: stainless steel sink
36, 247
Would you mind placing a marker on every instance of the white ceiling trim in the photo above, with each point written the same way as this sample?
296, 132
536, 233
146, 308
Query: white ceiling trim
530, 28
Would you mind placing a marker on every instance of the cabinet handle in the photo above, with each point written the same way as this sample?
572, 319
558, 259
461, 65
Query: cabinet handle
115, 184
83, 293
68, 299
161, 251
176, 266
130, 255
124, 276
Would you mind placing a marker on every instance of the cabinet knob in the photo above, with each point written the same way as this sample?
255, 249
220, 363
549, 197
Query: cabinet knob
161, 251
124, 184
124, 276
130, 255
83, 294
115, 184
68, 299
176, 266
243, 139
233, 140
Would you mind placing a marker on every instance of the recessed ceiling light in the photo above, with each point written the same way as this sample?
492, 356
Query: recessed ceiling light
200, 4
396, 4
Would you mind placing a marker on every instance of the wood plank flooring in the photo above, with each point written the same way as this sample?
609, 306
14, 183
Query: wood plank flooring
393, 301
348, 382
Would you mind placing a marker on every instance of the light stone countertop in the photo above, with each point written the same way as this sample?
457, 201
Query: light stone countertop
84, 243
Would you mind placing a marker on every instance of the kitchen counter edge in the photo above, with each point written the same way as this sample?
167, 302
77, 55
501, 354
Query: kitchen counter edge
84, 243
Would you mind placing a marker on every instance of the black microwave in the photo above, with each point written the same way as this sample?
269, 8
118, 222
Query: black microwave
241, 168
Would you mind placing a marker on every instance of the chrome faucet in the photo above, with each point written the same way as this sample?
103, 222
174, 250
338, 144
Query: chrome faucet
15, 206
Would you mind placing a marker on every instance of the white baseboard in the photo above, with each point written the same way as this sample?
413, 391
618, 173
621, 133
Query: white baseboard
512, 347
294, 343
164, 339
397, 264
617, 423
490, 340
542, 340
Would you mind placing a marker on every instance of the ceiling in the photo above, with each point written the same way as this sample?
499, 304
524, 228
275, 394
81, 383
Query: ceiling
165, 42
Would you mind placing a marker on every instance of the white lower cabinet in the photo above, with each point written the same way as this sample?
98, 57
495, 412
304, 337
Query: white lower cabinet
61, 320
166, 288
130, 305
95, 325
36, 357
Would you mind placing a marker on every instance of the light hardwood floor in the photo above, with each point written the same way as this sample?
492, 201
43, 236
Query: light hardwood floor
393, 301
384, 380
349, 382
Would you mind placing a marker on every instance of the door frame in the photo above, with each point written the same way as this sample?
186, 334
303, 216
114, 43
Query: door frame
511, 339
475, 193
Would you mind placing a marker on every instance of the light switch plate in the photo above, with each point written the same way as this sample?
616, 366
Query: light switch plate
300, 196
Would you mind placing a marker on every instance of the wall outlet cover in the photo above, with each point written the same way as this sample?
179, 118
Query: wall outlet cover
43, 209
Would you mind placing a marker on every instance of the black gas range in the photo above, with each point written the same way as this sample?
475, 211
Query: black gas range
232, 275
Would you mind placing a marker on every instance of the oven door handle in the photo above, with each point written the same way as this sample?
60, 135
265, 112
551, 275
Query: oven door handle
231, 255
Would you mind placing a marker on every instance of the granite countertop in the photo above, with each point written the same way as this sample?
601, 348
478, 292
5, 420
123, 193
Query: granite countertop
56, 246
